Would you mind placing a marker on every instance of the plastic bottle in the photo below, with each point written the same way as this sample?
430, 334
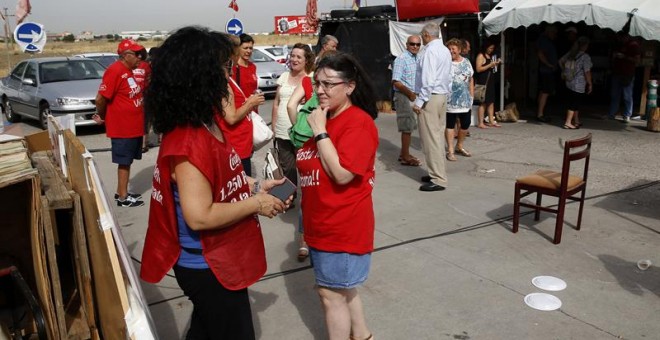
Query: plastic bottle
495, 61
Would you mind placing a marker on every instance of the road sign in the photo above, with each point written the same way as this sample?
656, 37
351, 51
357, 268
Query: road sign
30, 36
234, 26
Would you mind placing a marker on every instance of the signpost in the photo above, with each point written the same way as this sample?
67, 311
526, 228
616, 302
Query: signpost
234, 26
30, 36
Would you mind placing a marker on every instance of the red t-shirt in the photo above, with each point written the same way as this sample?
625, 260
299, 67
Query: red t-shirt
235, 254
246, 77
124, 116
142, 74
239, 135
340, 218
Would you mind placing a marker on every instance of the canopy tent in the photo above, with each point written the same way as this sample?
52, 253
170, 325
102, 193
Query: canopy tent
613, 14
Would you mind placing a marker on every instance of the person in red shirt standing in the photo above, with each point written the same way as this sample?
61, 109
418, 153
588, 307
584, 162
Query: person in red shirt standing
119, 104
245, 71
142, 74
203, 211
237, 124
337, 174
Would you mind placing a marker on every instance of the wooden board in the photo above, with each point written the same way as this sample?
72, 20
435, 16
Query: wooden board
40, 268
83, 271
103, 258
52, 184
53, 271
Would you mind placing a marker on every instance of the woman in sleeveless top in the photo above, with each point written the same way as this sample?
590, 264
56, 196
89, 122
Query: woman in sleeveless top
486, 75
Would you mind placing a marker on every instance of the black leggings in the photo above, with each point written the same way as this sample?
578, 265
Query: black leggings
464, 117
218, 313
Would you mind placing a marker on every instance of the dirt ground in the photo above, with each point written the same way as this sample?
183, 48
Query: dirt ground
13, 55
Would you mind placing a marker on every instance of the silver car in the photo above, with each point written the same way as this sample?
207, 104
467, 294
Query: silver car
268, 71
41, 86
104, 58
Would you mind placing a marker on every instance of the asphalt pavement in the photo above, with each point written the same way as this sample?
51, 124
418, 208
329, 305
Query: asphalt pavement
446, 264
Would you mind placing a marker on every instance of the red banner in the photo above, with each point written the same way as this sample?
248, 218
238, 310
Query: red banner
293, 24
412, 9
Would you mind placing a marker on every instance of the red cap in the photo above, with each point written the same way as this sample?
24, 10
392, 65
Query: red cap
128, 45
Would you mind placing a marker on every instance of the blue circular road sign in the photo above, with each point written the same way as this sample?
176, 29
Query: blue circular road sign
234, 26
30, 36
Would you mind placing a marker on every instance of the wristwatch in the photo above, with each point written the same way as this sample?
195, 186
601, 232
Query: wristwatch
321, 136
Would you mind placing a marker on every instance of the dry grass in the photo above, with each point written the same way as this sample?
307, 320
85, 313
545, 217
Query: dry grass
54, 49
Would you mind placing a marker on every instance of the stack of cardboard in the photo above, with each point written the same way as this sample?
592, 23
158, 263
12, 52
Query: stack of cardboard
14, 160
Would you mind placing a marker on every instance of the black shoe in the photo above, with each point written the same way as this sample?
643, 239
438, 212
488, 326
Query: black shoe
426, 179
431, 187
543, 119
129, 203
131, 195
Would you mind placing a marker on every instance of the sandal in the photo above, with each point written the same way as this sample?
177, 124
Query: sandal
370, 337
463, 152
145, 149
451, 157
494, 125
303, 253
411, 161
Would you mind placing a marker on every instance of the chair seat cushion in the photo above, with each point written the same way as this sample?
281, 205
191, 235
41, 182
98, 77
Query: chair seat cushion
549, 179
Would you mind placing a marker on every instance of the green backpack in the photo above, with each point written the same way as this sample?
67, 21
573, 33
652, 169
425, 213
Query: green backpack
300, 132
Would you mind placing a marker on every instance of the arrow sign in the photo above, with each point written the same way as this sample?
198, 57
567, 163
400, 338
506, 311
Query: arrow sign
33, 36
30, 36
234, 26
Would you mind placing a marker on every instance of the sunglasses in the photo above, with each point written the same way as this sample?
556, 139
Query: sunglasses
414, 44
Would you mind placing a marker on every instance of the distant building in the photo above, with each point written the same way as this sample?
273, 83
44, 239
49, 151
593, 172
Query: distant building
135, 35
85, 36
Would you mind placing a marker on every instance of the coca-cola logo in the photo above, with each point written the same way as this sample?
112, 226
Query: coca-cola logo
234, 161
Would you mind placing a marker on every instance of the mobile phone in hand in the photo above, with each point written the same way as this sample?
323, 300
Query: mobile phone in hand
284, 190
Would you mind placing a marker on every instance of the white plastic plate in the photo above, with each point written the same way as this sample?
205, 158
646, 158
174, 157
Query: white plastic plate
542, 301
550, 283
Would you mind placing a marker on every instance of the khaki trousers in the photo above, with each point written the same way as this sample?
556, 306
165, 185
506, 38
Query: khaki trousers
432, 121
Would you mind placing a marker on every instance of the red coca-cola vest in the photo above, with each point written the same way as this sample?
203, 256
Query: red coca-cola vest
235, 254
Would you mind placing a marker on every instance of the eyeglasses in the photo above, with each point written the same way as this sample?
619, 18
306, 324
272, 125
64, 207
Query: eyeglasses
415, 44
326, 85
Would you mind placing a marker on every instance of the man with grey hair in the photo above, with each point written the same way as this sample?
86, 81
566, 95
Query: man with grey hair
403, 83
329, 43
433, 85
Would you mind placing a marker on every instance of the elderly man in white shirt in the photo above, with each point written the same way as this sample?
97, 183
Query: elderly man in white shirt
433, 86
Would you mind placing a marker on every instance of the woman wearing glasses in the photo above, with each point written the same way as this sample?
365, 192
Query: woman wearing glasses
337, 176
203, 215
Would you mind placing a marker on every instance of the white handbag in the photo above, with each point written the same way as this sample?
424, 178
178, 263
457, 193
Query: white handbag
261, 132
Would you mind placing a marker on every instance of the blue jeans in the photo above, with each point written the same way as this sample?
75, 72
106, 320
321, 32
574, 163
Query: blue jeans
615, 93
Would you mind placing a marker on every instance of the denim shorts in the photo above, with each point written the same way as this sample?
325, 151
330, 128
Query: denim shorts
339, 270
125, 150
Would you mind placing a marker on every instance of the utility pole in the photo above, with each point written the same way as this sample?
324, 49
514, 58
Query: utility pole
7, 34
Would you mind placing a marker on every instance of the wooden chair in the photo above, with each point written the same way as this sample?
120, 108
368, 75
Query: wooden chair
562, 185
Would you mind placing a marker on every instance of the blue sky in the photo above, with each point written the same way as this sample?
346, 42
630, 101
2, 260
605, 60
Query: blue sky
114, 16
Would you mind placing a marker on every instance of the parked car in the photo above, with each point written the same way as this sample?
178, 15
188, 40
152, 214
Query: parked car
38, 87
268, 71
104, 58
276, 53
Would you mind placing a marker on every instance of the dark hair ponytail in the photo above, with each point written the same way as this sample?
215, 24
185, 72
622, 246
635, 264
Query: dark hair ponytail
350, 70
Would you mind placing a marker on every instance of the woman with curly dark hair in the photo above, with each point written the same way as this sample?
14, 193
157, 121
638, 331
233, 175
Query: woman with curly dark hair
337, 176
203, 215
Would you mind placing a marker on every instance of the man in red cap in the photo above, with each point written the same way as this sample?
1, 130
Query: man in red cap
119, 104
